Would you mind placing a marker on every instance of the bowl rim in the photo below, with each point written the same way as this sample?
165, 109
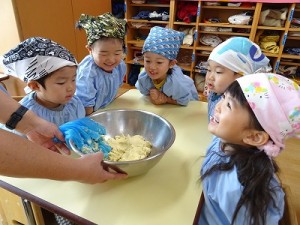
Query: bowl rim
171, 142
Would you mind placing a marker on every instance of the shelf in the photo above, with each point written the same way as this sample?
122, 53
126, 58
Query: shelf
185, 24
201, 52
294, 29
224, 25
293, 37
227, 7
270, 54
204, 48
270, 28
289, 63
290, 56
150, 5
148, 21
224, 33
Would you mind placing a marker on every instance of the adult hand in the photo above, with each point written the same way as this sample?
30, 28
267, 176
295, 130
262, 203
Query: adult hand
157, 97
43, 134
97, 174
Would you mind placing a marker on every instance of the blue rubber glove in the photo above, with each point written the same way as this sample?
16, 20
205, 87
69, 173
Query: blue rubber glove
85, 133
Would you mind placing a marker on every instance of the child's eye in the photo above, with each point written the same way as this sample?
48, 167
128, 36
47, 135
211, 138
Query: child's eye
228, 105
61, 83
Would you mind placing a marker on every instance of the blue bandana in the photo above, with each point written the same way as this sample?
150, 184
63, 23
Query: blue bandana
240, 55
163, 41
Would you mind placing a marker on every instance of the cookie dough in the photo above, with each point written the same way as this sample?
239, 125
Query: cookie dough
127, 148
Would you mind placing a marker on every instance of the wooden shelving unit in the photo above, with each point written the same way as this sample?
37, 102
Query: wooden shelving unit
252, 30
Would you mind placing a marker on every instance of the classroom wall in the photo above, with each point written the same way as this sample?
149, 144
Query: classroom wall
9, 36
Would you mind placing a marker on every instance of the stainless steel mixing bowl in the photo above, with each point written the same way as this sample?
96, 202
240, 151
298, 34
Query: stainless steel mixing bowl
152, 127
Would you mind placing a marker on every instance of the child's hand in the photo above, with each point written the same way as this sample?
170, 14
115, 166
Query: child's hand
157, 97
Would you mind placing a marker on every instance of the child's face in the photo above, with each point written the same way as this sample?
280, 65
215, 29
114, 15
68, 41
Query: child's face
218, 77
224, 121
157, 65
59, 87
107, 53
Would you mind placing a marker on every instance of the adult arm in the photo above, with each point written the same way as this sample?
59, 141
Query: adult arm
35, 128
23, 158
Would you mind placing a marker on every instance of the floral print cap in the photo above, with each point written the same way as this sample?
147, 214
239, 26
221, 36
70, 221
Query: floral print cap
275, 101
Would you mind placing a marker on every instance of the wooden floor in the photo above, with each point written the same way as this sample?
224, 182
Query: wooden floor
289, 164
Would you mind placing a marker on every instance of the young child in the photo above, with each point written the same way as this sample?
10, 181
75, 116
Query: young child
251, 122
228, 61
49, 70
101, 73
162, 80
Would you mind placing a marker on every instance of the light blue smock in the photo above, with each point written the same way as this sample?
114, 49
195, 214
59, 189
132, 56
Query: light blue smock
64, 113
71, 111
212, 100
177, 86
95, 87
222, 191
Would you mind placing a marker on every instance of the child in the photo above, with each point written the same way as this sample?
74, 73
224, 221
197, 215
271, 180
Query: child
101, 73
251, 122
228, 61
49, 70
162, 79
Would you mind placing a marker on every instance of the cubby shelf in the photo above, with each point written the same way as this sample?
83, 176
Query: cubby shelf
200, 52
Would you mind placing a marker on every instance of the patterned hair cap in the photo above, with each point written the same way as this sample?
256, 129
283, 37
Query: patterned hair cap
240, 55
35, 58
105, 25
275, 101
163, 41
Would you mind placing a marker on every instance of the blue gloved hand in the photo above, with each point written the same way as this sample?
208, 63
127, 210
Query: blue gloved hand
86, 134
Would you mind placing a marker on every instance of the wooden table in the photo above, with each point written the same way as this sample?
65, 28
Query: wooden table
168, 194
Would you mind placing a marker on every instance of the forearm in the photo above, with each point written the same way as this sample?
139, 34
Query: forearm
22, 158
9, 106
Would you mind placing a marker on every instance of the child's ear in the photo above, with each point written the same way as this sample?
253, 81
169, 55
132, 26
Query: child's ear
33, 85
256, 138
88, 48
173, 63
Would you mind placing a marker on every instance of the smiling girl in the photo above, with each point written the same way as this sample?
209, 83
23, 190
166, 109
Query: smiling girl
162, 80
102, 72
250, 123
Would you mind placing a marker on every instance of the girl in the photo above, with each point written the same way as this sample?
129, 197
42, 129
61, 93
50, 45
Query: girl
228, 61
101, 73
162, 79
49, 70
238, 173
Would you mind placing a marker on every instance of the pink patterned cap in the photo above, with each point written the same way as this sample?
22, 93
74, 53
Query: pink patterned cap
275, 101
